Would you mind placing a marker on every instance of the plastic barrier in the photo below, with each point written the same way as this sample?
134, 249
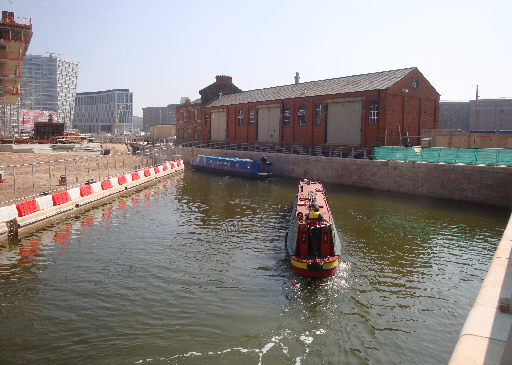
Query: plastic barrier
178, 163
128, 178
135, 176
156, 169
8, 212
172, 165
147, 173
165, 167
44, 202
74, 194
96, 187
121, 180
26, 207
85, 190
60, 198
106, 184
114, 182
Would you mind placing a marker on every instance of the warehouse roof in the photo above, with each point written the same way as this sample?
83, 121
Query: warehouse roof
341, 85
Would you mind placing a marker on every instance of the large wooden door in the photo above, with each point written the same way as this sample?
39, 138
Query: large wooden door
344, 123
218, 125
268, 124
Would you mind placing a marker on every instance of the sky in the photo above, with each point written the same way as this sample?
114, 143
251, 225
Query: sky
162, 49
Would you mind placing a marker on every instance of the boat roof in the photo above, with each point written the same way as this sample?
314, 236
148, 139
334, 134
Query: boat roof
313, 192
226, 158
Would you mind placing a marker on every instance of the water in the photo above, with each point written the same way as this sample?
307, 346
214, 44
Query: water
194, 271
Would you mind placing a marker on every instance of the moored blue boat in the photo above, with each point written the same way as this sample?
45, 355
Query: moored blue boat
235, 166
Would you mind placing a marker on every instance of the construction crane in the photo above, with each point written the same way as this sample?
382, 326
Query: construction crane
121, 105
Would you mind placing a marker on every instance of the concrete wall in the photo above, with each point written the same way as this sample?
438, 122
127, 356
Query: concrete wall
470, 183
461, 139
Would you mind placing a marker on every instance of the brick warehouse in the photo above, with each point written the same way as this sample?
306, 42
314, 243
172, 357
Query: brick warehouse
189, 114
361, 110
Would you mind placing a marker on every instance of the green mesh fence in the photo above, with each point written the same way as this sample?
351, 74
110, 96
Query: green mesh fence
473, 156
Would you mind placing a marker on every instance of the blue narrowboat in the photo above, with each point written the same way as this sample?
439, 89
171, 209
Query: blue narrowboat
234, 166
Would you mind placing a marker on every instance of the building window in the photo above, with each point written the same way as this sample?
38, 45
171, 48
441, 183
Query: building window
373, 118
302, 114
206, 118
251, 116
286, 114
318, 113
240, 117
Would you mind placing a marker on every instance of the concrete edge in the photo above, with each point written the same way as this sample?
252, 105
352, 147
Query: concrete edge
486, 335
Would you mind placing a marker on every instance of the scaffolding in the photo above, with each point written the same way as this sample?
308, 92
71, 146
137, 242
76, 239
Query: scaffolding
15, 36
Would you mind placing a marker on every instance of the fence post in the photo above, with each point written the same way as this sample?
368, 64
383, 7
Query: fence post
364, 153
88, 169
76, 171
99, 171
108, 169
14, 180
66, 173
352, 155
50, 173
33, 182
330, 151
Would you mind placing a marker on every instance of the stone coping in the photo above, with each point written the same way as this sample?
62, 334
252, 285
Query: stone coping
486, 336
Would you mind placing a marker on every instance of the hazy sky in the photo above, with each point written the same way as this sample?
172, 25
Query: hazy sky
162, 50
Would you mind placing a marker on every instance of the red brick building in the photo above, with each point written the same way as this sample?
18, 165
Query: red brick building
361, 110
188, 121
189, 125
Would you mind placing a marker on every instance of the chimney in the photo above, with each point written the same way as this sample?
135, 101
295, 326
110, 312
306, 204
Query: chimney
297, 77
223, 79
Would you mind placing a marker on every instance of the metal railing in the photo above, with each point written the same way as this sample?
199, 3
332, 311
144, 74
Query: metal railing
298, 149
29, 180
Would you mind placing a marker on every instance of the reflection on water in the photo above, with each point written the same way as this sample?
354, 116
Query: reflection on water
193, 270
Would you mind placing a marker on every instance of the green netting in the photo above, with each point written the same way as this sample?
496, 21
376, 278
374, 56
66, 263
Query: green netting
485, 156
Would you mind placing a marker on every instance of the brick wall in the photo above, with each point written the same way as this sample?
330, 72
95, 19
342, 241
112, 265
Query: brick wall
188, 121
469, 183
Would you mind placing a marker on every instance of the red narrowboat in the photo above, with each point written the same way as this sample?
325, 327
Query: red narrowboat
312, 240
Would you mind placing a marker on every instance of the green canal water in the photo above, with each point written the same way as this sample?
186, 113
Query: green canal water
194, 271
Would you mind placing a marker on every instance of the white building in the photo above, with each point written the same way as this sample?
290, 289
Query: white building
107, 111
49, 84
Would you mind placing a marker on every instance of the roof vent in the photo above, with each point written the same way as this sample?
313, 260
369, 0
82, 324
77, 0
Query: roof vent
297, 77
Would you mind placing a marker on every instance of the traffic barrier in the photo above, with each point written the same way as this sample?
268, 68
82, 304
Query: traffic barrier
60, 198
74, 194
128, 178
85, 190
178, 163
106, 184
147, 173
156, 169
135, 176
96, 187
44, 202
121, 180
172, 165
114, 182
8, 212
165, 167
27, 207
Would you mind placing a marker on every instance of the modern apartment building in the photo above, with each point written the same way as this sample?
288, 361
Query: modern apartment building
15, 36
103, 112
48, 83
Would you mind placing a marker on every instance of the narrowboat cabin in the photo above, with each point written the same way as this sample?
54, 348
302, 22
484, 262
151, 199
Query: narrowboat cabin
234, 166
312, 240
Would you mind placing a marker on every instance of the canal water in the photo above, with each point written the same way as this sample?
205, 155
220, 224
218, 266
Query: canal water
194, 270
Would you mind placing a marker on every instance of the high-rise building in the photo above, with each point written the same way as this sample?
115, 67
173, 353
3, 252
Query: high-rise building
107, 111
15, 36
49, 84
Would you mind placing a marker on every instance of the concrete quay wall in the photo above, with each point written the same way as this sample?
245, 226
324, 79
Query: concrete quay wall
486, 337
470, 183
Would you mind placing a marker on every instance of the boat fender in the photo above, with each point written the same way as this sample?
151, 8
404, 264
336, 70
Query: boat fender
300, 217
